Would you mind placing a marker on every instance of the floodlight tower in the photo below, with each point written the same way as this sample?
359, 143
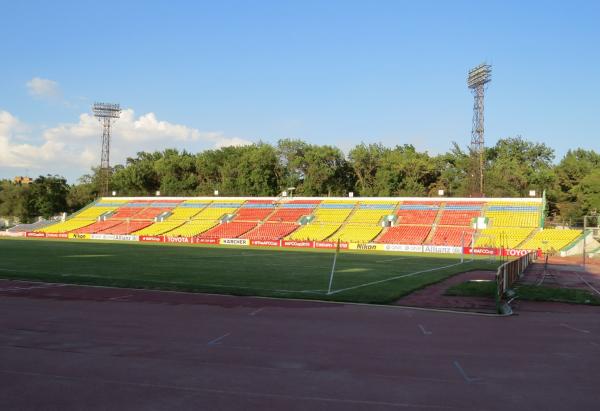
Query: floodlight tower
478, 78
105, 112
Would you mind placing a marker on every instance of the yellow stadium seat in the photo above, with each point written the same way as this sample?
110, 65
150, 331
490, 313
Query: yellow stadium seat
508, 237
551, 239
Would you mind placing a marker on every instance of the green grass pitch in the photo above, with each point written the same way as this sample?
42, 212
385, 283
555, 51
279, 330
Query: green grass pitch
381, 277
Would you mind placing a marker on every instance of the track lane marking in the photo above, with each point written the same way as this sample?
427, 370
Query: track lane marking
121, 297
253, 313
464, 374
218, 339
575, 329
424, 331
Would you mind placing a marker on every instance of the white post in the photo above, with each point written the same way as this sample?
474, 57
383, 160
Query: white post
331, 275
337, 250
462, 248
584, 235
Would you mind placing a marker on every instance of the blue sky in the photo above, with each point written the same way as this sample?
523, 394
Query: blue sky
200, 75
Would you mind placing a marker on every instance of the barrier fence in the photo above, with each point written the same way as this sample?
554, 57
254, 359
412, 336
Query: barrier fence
412, 248
508, 274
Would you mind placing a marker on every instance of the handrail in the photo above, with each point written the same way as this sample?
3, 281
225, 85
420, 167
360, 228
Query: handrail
507, 275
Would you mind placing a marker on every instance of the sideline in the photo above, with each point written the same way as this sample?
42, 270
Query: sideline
396, 277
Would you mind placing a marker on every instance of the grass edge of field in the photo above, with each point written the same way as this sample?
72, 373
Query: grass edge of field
526, 292
147, 284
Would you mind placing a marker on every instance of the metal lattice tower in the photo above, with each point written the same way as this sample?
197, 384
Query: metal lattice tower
478, 78
105, 112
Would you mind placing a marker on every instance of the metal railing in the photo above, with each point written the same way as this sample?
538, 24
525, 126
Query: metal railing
508, 274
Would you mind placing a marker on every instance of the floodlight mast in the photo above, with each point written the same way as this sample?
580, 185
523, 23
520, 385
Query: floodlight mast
478, 78
105, 112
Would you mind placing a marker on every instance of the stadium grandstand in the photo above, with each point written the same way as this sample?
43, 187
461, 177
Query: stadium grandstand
488, 223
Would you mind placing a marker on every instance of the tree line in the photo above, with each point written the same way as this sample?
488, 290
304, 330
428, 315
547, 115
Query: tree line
513, 167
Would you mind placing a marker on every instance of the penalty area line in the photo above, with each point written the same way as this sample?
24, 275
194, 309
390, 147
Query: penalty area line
395, 278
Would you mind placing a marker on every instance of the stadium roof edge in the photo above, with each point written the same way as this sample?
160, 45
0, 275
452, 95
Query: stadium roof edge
432, 199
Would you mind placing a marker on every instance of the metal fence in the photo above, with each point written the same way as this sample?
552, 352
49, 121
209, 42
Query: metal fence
508, 274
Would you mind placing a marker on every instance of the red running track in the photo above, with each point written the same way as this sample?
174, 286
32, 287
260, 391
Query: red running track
72, 348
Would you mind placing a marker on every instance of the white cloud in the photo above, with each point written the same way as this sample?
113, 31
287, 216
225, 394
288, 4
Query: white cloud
71, 149
44, 88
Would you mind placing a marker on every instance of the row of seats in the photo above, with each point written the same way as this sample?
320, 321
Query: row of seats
270, 231
228, 230
355, 233
511, 223
452, 236
502, 237
551, 239
507, 214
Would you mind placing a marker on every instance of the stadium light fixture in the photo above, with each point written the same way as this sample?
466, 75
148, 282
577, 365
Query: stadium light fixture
476, 81
105, 113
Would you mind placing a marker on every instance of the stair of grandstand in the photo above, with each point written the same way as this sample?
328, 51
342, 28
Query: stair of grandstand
254, 210
270, 231
314, 231
417, 212
460, 213
369, 213
218, 209
228, 230
191, 228
160, 227
291, 211
97, 227
362, 224
126, 227
85, 217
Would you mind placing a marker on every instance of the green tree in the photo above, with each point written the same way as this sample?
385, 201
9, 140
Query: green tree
365, 160
514, 166
14, 200
48, 196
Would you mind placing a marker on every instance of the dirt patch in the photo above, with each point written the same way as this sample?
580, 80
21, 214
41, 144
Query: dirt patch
433, 296
563, 275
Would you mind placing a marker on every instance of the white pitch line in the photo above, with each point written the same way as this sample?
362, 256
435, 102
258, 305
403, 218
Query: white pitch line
35, 287
390, 259
121, 297
575, 329
395, 278
588, 284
